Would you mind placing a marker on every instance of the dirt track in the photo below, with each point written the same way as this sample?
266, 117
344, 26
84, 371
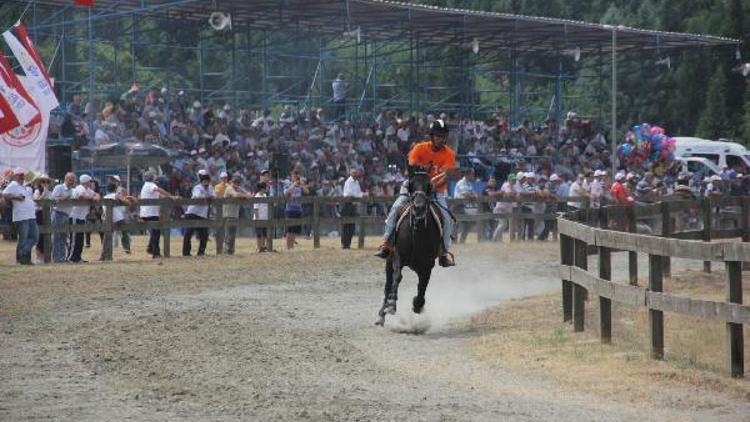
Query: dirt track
272, 337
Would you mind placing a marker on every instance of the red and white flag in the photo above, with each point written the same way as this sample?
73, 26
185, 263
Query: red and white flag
14, 92
25, 146
27, 55
8, 120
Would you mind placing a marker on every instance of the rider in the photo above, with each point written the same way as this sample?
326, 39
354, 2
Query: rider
440, 160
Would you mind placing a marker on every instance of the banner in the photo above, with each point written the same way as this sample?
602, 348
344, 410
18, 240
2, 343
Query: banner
39, 88
14, 92
25, 146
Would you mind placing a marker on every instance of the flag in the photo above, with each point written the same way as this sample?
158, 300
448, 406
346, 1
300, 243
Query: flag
89, 3
8, 119
14, 92
39, 87
25, 146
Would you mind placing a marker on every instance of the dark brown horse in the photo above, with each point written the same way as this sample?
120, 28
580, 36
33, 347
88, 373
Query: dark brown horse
417, 244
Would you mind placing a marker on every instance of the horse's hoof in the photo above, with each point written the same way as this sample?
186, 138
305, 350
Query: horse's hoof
391, 310
417, 304
380, 321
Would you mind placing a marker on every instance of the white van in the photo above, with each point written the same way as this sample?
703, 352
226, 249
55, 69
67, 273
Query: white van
721, 153
698, 164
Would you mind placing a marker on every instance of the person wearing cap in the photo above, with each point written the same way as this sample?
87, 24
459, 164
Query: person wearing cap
41, 183
620, 192
529, 190
577, 190
596, 189
714, 187
441, 162
546, 193
24, 215
116, 193
83, 192
260, 213
61, 217
265, 177
645, 189
222, 185
352, 189
198, 212
231, 212
508, 192
294, 188
464, 190
151, 190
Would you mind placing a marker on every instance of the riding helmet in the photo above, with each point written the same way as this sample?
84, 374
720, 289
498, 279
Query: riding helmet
439, 128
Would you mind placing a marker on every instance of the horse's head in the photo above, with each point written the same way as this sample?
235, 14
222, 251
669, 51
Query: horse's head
420, 189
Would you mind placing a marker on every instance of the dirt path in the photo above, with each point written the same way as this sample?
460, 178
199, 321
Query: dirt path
270, 338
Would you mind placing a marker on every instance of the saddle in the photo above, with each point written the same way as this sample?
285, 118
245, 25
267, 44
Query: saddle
436, 214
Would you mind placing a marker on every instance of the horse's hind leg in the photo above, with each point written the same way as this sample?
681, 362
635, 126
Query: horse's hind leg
418, 301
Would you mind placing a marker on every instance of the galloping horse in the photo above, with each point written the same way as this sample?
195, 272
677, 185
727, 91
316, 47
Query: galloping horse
417, 243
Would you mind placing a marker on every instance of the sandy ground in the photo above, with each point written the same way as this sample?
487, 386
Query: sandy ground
282, 337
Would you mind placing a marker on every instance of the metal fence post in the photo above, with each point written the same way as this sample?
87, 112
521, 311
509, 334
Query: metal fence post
165, 215
316, 222
219, 229
108, 230
361, 229
605, 304
566, 258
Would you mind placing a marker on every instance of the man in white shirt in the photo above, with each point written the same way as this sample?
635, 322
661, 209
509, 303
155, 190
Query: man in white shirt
115, 192
260, 213
24, 216
151, 212
465, 190
507, 191
339, 87
61, 217
596, 189
78, 215
198, 212
231, 212
352, 189
577, 190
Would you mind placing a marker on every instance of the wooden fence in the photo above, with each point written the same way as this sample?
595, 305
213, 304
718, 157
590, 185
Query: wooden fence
612, 229
220, 224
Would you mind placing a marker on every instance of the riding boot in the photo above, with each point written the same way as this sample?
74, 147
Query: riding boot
445, 259
384, 251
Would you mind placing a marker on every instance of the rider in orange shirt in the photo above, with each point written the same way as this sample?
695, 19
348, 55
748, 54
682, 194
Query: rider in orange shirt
440, 161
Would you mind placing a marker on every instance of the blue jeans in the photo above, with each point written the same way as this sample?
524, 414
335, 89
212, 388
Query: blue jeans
60, 241
391, 220
28, 234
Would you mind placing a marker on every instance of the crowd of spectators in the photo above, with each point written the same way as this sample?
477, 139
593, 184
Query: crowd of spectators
273, 152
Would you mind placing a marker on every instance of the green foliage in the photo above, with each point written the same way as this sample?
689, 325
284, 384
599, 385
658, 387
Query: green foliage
713, 122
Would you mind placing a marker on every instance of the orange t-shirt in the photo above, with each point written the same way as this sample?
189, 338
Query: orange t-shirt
436, 162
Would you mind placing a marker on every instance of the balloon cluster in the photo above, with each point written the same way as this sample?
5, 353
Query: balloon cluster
646, 146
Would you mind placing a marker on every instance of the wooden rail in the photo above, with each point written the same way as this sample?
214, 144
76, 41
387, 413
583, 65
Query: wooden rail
220, 224
578, 238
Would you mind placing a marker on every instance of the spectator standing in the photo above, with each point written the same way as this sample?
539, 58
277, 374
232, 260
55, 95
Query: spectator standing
619, 191
151, 212
118, 212
222, 185
78, 214
577, 190
465, 190
529, 190
61, 217
596, 189
352, 189
260, 213
42, 190
508, 192
231, 212
198, 212
24, 216
339, 87
293, 209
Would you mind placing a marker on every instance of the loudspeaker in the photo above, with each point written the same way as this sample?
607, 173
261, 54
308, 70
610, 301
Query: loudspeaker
59, 160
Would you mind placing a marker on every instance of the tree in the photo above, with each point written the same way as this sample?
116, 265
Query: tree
713, 123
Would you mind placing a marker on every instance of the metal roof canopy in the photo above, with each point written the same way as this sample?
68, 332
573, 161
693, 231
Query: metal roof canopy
383, 20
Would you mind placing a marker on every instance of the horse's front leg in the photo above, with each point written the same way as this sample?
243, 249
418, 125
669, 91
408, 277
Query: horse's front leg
390, 295
424, 280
